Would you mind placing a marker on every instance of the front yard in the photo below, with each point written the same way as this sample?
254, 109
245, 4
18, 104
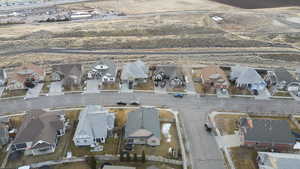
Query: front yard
14, 93
243, 158
110, 86
145, 86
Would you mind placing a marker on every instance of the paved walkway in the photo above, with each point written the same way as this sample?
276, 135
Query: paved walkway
190, 88
228, 141
55, 89
34, 92
92, 86
1, 90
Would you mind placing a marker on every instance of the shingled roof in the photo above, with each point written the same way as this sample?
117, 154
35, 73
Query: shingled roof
135, 70
267, 131
141, 120
43, 127
283, 75
268, 160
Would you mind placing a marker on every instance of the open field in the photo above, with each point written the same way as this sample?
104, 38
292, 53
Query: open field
250, 4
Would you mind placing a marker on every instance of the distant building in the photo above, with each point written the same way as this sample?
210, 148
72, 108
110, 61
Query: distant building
214, 76
247, 77
169, 74
39, 133
268, 160
20, 75
280, 78
134, 73
69, 74
95, 125
3, 77
266, 134
104, 70
143, 127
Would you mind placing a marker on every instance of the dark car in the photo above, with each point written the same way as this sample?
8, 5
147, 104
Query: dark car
207, 127
178, 95
135, 103
121, 103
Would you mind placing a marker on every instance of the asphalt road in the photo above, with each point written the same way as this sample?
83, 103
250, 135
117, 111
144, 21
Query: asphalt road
193, 112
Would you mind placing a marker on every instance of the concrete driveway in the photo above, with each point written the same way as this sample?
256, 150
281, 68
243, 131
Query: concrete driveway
1, 90
34, 92
92, 86
190, 88
56, 89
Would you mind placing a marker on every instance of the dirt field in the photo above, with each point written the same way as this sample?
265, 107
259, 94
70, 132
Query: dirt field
254, 4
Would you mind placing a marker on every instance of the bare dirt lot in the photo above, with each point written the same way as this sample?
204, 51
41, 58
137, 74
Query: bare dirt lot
254, 4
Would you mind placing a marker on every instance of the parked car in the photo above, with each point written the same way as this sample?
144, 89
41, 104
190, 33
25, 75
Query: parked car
178, 95
207, 127
121, 103
135, 103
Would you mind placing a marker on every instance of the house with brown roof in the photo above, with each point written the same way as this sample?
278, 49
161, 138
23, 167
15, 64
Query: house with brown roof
29, 72
214, 76
69, 74
39, 133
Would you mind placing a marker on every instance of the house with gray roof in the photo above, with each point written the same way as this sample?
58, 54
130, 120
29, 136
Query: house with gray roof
143, 127
104, 70
269, 160
266, 134
134, 73
94, 126
69, 74
3, 77
280, 78
39, 132
246, 77
171, 75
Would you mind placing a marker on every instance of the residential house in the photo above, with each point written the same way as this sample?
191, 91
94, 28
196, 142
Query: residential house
95, 125
214, 76
269, 160
246, 77
28, 72
280, 78
39, 133
134, 73
3, 77
104, 70
143, 127
169, 74
266, 134
69, 74
117, 167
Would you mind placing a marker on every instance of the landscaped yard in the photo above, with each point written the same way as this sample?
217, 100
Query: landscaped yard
243, 158
145, 86
227, 124
121, 116
283, 94
238, 91
110, 147
12, 93
199, 88
110, 86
